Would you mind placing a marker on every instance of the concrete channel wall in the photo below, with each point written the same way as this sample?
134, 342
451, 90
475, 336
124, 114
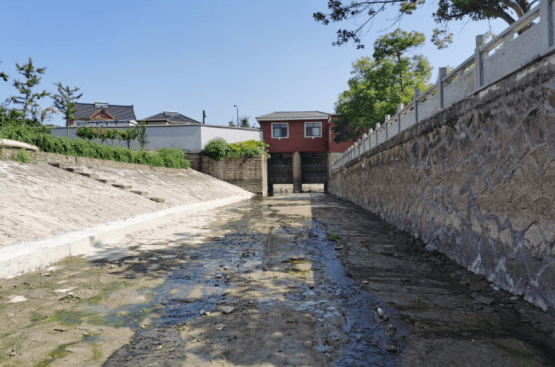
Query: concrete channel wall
250, 174
475, 181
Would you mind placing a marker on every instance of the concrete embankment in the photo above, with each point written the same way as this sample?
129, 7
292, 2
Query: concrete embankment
48, 213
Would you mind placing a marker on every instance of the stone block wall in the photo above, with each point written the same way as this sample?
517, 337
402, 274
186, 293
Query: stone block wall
250, 174
475, 181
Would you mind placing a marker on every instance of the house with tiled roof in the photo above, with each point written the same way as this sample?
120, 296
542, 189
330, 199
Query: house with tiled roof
103, 114
301, 147
169, 118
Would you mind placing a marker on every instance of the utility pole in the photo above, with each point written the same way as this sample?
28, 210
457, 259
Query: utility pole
237, 115
203, 116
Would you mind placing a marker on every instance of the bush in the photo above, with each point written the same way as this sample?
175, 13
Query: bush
43, 139
216, 148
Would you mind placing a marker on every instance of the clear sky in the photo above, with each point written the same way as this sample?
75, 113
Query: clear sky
190, 55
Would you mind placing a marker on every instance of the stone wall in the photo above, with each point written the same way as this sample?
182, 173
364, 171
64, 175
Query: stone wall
45, 158
476, 181
250, 174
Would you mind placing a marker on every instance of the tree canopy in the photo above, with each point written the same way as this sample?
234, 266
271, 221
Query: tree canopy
380, 83
27, 98
446, 11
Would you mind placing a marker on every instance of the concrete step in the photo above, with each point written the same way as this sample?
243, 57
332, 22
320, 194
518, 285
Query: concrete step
122, 186
158, 200
140, 192
90, 175
75, 169
106, 181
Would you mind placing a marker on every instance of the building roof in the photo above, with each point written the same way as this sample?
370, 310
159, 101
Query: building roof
85, 110
172, 117
294, 115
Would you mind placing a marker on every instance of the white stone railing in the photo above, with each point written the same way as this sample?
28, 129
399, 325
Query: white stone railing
491, 61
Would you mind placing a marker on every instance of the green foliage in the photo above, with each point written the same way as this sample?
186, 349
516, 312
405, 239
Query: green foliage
218, 149
447, 11
23, 156
25, 88
378, 85
41, 137
64, 101
334, 237
142, 137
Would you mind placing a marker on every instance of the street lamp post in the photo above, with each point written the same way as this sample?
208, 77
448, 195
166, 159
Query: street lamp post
237, 114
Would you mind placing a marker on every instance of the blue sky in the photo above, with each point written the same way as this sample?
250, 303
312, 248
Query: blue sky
186, 56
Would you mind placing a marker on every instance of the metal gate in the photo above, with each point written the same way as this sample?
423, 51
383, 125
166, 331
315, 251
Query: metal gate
280, 168
314, 167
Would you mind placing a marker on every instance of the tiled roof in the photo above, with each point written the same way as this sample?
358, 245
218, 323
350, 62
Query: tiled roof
86, 110
294, 115
173, 117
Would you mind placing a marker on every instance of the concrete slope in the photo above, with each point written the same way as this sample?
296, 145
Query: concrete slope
47, 213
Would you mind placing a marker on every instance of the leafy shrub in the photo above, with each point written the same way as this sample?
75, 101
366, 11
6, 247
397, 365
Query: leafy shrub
43, 139
23, 156
216, 148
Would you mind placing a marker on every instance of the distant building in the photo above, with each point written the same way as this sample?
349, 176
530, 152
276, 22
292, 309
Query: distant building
169, 118
103, 114
301, 147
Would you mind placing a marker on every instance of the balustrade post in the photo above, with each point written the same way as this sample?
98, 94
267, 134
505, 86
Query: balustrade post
546, 24
400, 107
370, 133
479, 61
442, 74
415, 104
365, 141
377, 128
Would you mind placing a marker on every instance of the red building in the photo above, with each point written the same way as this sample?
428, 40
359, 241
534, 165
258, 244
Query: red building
301, 147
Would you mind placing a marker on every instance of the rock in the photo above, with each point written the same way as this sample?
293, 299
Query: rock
339, 248
219, 328
160, 347
146, 322
228, 309
45, 274
226, 268
17, 299
485, 300
391, 348
60, 329
364, 282
13, 353
380, 311
122, 186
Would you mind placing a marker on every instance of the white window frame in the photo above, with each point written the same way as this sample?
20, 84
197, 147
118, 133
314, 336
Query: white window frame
313, 122
280, 137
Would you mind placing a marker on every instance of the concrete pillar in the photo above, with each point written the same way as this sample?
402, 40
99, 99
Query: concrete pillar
441, 75
415, 102
400, 107
478, 60
546, 23
297, 173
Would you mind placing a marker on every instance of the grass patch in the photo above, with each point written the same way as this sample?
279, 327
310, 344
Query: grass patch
97, 352
334, 237
59, 352
70, 318
112, 287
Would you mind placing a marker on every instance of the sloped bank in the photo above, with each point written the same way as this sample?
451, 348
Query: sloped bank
48, 213
475, 182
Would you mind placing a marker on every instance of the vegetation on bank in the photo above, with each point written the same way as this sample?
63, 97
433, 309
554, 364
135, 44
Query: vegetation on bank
219, 149
15, 127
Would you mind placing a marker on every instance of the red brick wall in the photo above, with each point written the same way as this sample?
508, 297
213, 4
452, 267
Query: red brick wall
296, 142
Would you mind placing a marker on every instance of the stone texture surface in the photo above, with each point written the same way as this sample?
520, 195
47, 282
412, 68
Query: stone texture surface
475, 181
248, 173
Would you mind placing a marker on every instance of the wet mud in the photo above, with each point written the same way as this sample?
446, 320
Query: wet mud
292, 280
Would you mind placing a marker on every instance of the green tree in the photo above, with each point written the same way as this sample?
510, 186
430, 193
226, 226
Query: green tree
380, 83
142, 137
3, 75
447, 11
64, 101
27, 98
244, 121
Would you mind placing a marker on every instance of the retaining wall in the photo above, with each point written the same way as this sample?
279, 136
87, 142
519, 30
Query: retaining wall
475, 181
250, 174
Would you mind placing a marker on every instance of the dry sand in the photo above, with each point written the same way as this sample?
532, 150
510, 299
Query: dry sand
42, 201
